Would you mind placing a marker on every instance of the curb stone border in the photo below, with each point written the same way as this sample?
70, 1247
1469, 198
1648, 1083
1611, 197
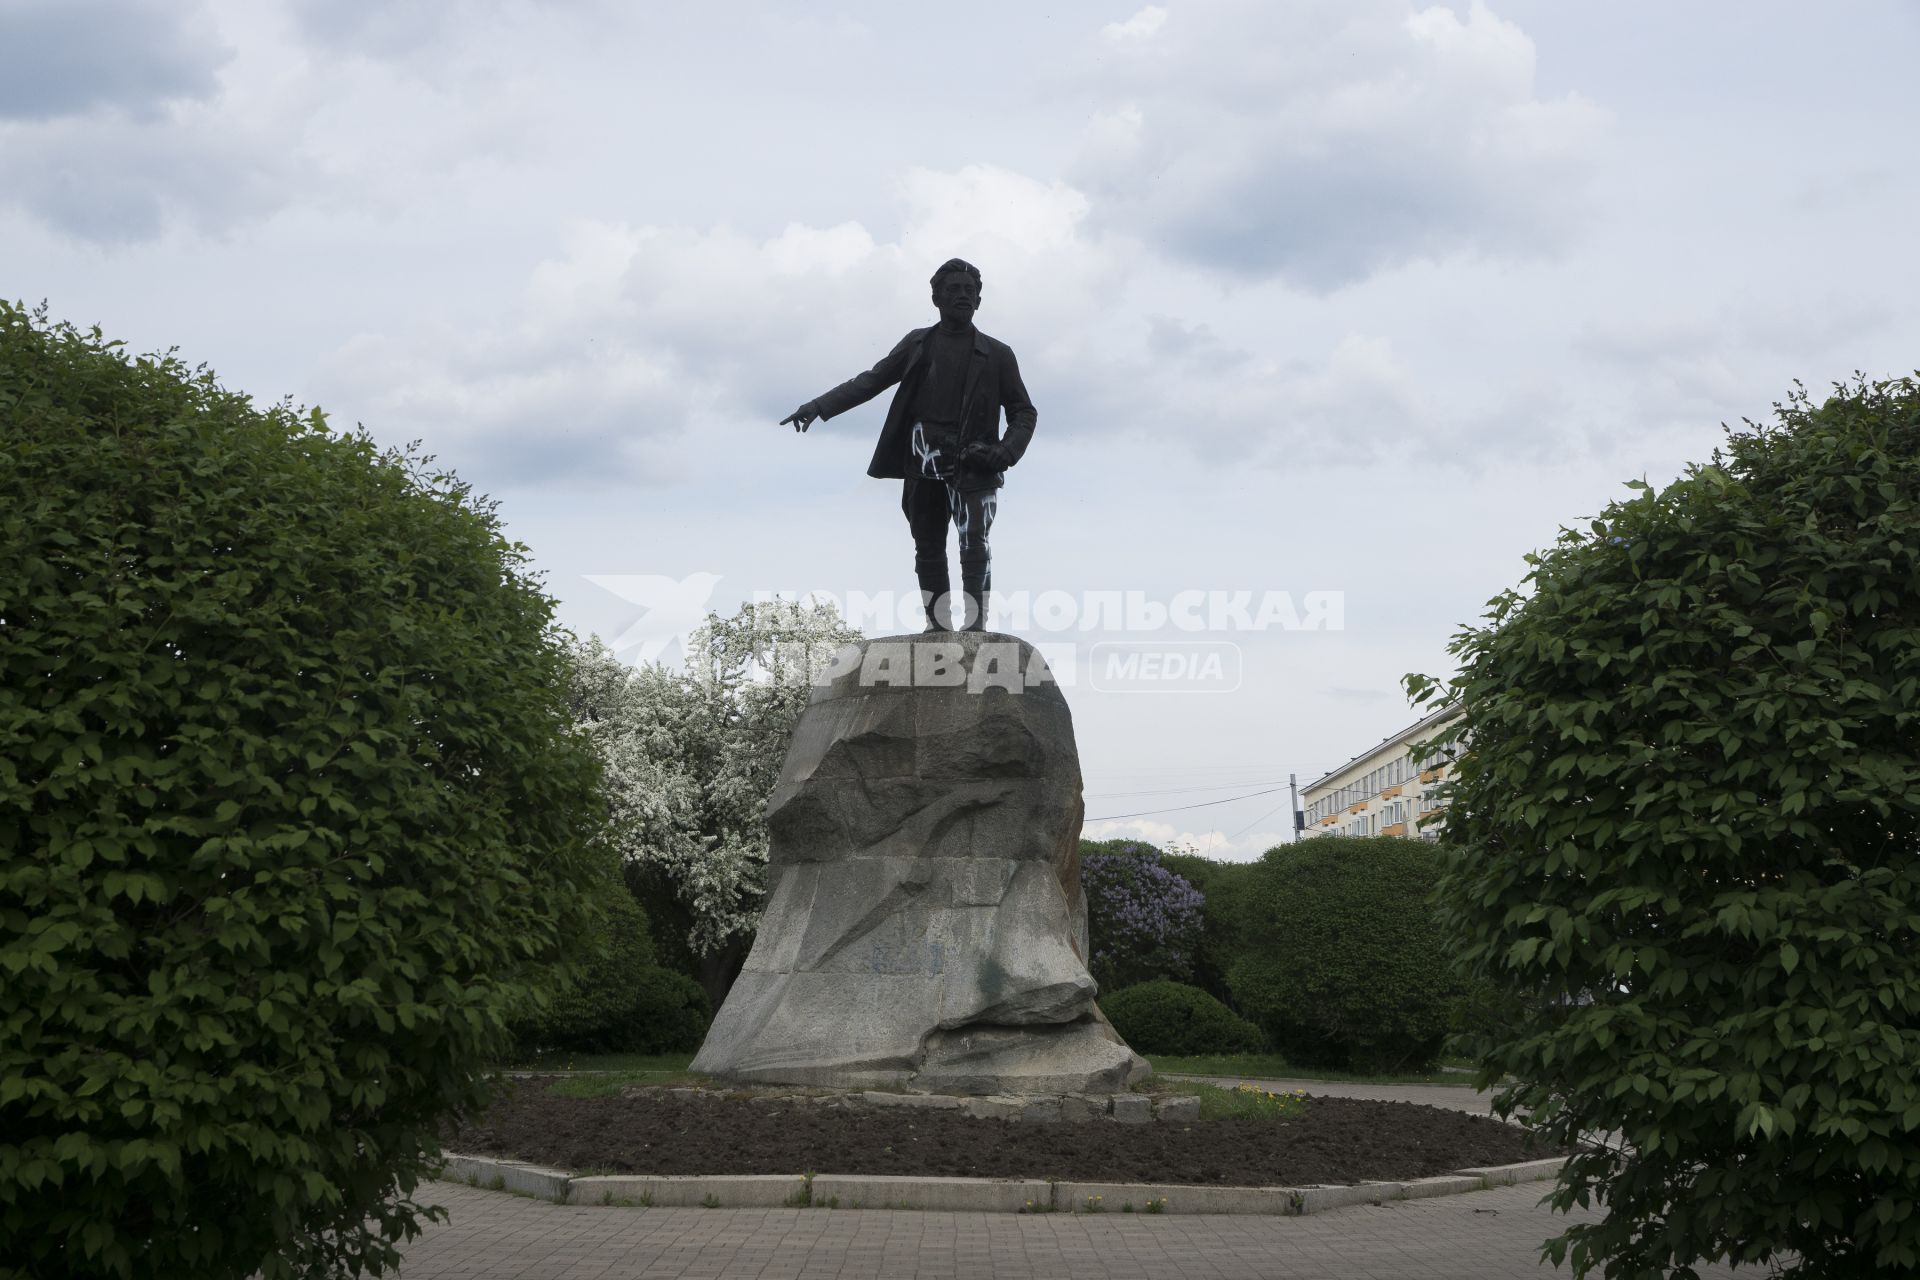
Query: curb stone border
1027, 1108
974, 1195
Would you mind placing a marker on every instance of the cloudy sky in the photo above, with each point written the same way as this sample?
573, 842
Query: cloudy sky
1354, 296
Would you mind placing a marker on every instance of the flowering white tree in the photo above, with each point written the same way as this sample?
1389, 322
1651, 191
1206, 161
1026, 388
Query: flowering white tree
691, 756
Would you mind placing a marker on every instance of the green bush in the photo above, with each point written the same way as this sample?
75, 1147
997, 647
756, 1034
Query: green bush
1222, 928
671, 1013
1205, 953
289, 821
1688, 818
596, 997
618, 1000
1171, 1017
1343, 962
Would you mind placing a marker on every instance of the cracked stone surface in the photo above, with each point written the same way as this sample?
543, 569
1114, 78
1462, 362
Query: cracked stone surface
924, 926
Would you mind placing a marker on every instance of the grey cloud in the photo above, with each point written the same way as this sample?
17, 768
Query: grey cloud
509, 410
1195, 345
547, 449
69, 57
1330, 219
1770, 326
385, 29
117, 182
1722, 361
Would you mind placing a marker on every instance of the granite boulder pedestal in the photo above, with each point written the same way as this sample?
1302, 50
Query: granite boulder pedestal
924, 927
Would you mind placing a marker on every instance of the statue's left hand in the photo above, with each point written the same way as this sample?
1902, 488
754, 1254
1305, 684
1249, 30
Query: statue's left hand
988, 455
803, 417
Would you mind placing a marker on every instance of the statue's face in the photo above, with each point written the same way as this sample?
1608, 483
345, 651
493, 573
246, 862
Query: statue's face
958, 297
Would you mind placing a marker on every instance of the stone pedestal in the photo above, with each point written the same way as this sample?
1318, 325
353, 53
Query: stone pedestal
924, 925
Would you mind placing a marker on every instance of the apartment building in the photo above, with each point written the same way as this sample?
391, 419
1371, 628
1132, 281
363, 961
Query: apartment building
1383, 791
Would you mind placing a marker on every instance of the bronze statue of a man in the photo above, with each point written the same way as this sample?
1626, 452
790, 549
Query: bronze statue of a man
942, 437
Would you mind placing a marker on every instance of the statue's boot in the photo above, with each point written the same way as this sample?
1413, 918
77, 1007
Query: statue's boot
935, 588
975, 583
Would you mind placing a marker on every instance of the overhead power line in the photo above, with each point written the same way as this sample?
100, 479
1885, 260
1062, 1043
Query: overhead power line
1179, 808
1169, 791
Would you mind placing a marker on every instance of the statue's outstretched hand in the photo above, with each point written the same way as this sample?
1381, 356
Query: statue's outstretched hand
803, 417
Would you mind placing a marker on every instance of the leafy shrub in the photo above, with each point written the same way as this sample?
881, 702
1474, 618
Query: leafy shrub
596, 1004
1344, 963
1143, 921
1171, 1017
1223, 885
290, 819
617, 1000
1687, 815
670, 1014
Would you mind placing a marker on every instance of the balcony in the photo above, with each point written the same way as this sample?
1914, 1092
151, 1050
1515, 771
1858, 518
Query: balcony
1396, 829
1357, 808
1391, 792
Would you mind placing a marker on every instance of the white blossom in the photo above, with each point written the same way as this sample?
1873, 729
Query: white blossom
690, 756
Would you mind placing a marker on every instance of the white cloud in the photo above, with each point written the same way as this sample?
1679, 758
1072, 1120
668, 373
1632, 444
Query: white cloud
1242, 845
633, 336
1322, 143
1139, 26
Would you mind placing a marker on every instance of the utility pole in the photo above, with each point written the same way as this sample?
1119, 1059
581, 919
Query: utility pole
1293, 802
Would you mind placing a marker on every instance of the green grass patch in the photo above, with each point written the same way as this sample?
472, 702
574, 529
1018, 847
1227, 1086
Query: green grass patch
1242, 1103
603, 1084
568, 1062
1271, 1066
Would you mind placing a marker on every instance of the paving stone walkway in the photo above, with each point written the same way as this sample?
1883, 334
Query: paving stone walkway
1486, 1235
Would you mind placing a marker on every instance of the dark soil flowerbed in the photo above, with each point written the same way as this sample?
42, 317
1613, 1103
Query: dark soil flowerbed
1337, 1140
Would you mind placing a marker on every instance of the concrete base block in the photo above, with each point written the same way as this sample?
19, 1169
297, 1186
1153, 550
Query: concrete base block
503, 1175
962, 1195
1183, 1109
1132, 1108
1448, 1185
738, 1191
996, 1107
932, 1101
1081, 1109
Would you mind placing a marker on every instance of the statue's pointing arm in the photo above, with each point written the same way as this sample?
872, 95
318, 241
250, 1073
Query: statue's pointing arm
856, 390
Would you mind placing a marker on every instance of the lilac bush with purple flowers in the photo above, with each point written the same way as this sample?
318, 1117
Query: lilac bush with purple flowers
1143, 920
